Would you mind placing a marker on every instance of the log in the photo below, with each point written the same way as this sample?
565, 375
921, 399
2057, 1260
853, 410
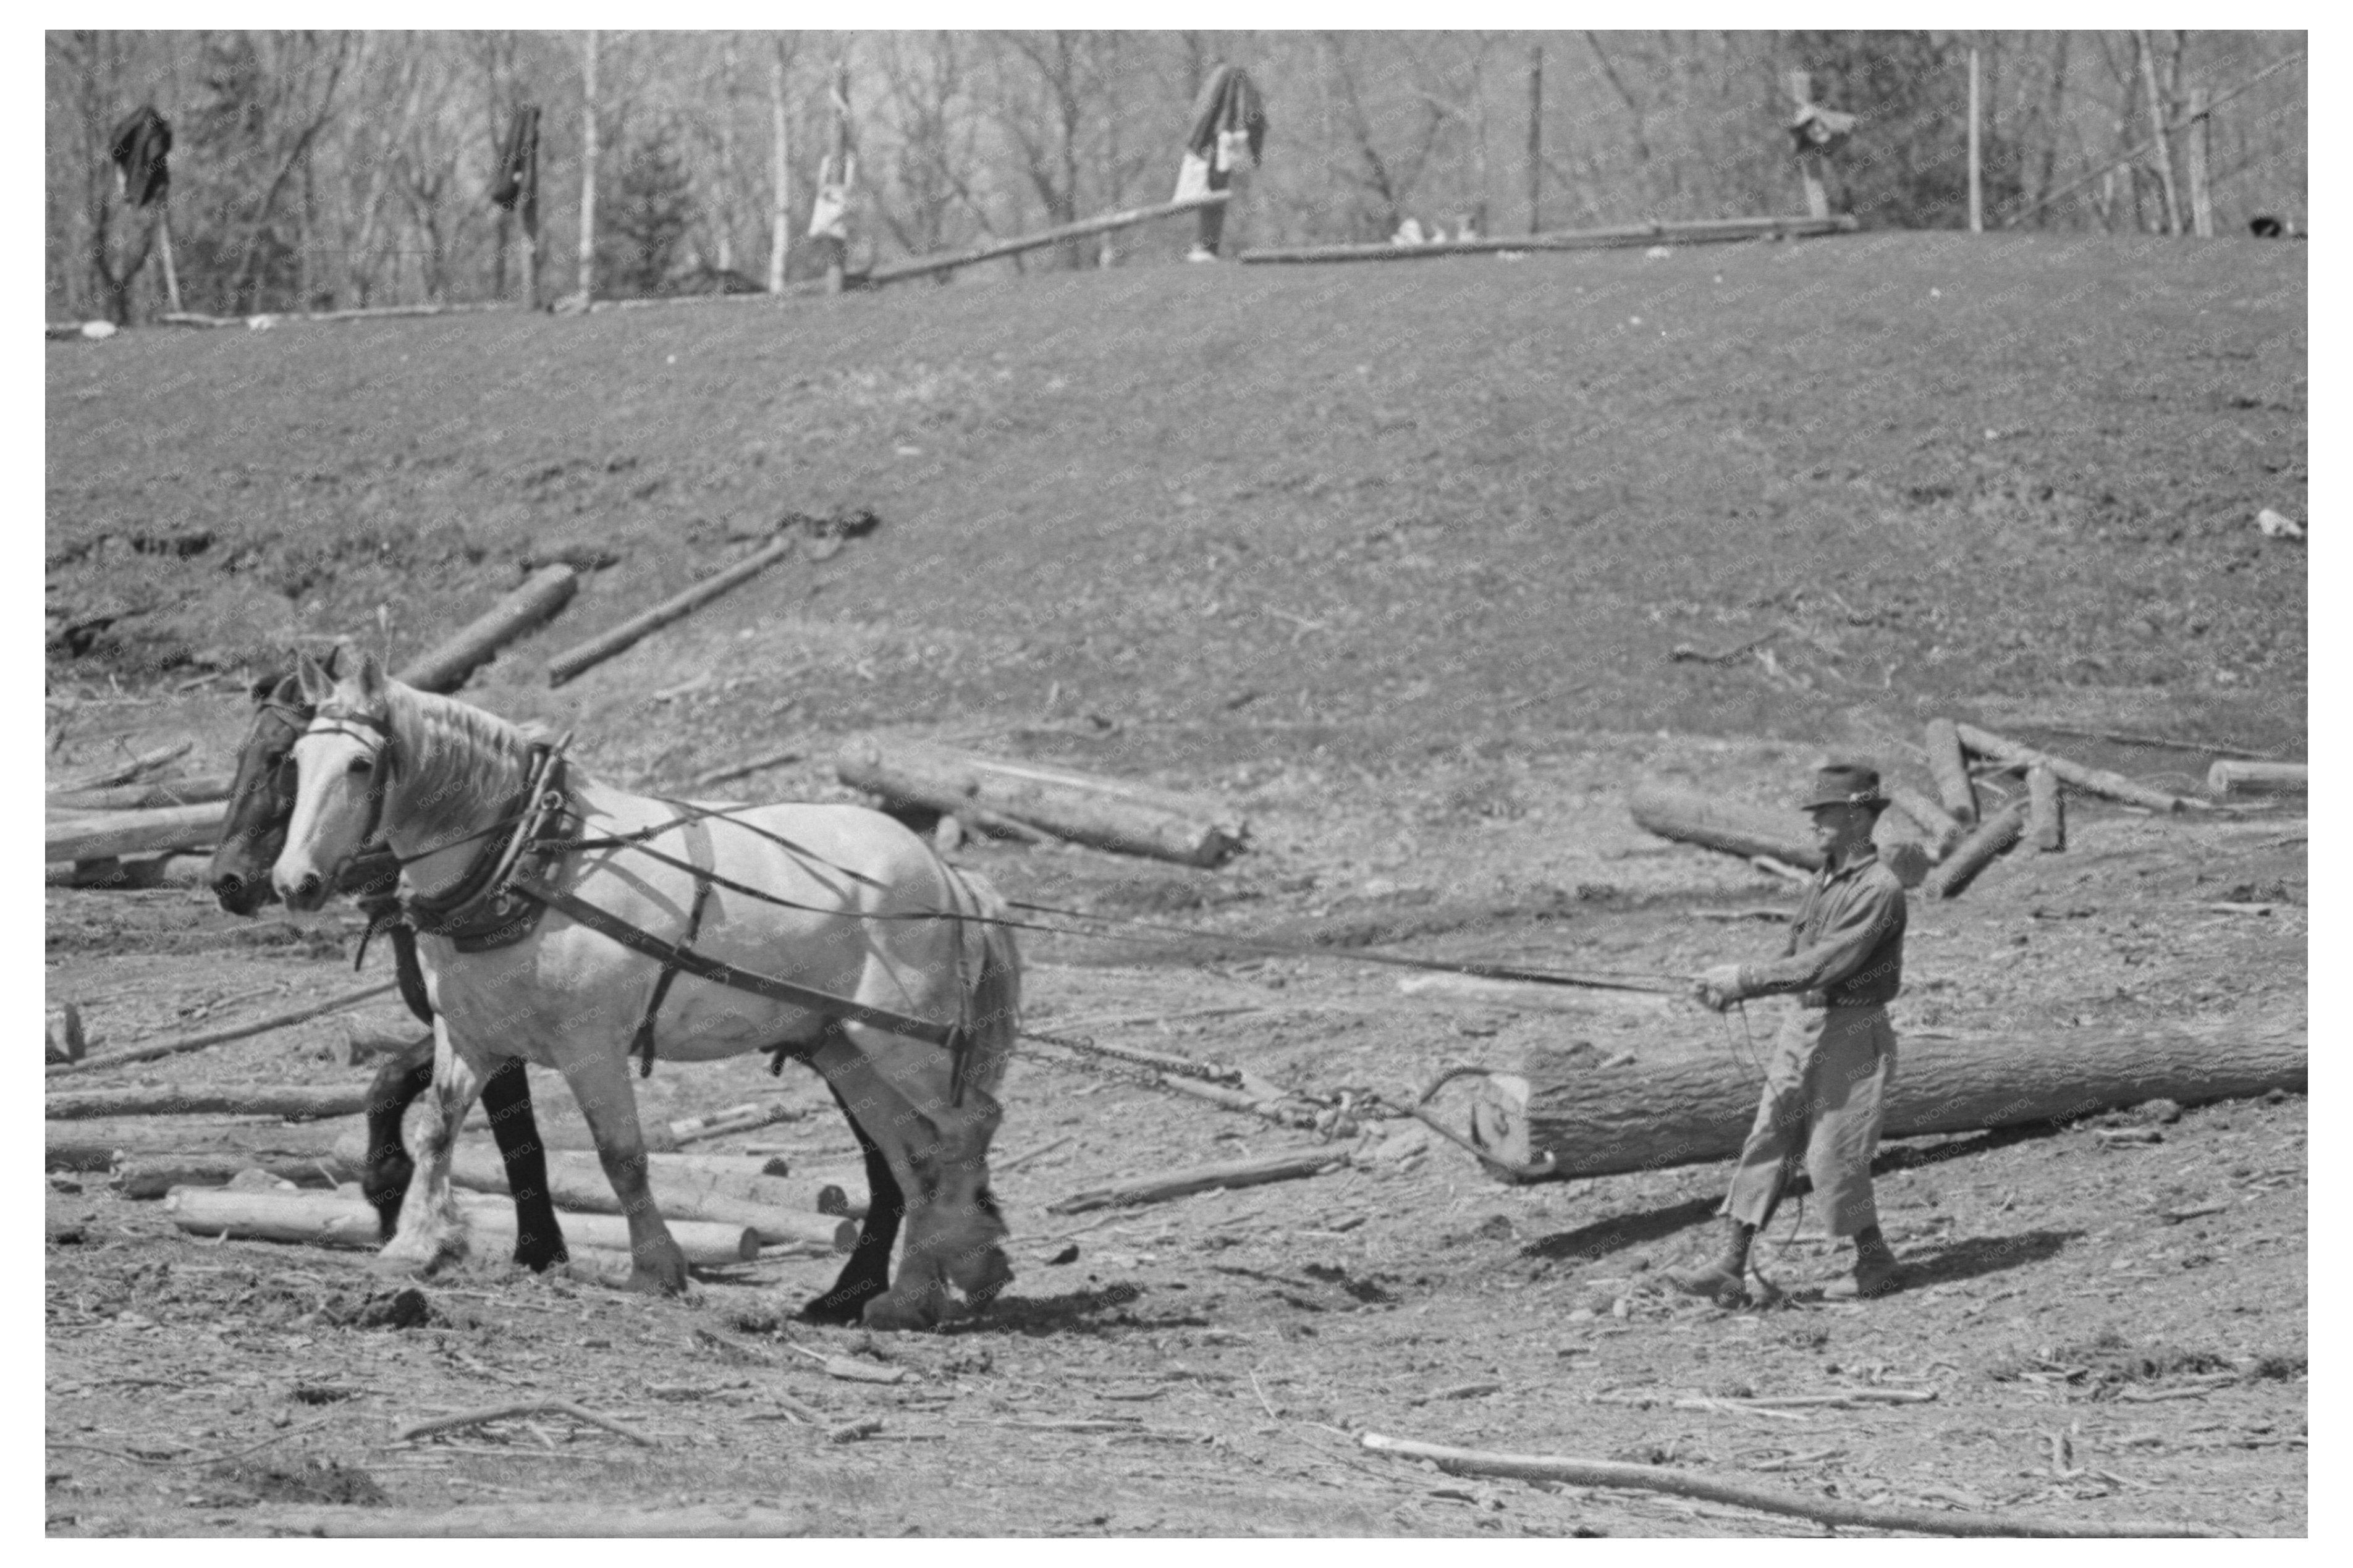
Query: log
1704, 231
446, 668
1932, 819
925, 266
331, 1220
197, 791
1691, 818
1166, 1184
2234, 780
100, 1145
62, 1039
2089, 781
1623, 1476
154, 1176
122, 772
577, 1183
1993, 836
2046, 821
986, 793
174, 870
536, 1521
118, 833
597, 649
294, 1102
1597, 1116
1949, 766
382, 1031
734, 1118
220, 1036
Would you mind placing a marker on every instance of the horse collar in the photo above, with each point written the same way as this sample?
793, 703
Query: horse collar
479, 913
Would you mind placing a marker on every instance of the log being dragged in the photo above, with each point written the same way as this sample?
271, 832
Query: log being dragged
331, 1219
1168, 1185
985, 792
294, 1102
2089, 781
1597, 1118
446, 668
2233, 779
1691, 818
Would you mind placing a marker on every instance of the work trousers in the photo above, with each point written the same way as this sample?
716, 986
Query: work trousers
1825, 1091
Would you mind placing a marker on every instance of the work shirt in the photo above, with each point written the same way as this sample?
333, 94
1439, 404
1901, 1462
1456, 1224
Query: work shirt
1846, 949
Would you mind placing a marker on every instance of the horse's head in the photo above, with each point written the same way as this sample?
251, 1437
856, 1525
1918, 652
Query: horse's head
261, 797
344, 765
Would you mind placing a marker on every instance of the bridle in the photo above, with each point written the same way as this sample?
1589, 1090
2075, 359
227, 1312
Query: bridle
382, 755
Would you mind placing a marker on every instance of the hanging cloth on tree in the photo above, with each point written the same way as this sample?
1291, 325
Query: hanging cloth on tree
1227, 117
138, 149
518, 178
830, 214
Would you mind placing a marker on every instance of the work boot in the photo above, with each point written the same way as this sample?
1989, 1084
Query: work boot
1723, 1280
1875, 1273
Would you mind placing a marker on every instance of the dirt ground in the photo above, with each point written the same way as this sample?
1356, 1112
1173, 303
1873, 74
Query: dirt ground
1429, 695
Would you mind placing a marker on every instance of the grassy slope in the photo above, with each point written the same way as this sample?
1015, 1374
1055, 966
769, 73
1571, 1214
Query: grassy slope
1454, 493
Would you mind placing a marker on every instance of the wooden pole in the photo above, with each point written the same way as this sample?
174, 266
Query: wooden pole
2201, 198
780, 215
331, 1220
723, 205
1809, 164
1169, 1184
446, 668
1708, 231
1976, 164
1950, 768
925, 265
838, 250
597, 649
588, 173
163, 250
1689, 1101
149, 1053
1536, 136
2164, 146
1765, 1500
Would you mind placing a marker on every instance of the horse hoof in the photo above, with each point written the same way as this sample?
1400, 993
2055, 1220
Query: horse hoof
984, 1279
540, 1259
889, 1313
839, 1305
665, 1276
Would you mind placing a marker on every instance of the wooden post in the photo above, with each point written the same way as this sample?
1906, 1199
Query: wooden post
1950, 769
1536, 136
2164, 146
838, 250
721, 207
588, 173
1977, 165
1809, 164
780, 215
2201, 199
2046, 821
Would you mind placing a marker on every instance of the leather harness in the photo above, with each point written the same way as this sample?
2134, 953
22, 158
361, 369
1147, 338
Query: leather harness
508, 888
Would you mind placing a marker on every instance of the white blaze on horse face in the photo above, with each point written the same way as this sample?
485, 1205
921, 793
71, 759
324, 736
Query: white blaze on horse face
330, 813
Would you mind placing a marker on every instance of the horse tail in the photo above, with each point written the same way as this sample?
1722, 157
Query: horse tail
990, 961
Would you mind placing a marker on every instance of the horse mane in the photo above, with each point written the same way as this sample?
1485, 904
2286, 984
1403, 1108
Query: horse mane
455, 758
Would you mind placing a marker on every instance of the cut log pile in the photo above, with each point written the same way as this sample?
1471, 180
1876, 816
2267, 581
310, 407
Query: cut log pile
1957, 841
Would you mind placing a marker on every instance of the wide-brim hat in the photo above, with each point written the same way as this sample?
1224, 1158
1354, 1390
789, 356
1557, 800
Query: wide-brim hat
1845, 783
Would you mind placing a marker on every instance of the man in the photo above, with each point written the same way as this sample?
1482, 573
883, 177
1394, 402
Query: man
1834, 1059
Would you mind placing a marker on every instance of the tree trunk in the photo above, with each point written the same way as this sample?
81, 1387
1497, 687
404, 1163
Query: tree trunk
1132, 819
1696, 1105
780, 216
445, 669
1950, 768
2164, 143
118, 833
293, 1102
1744, 830
2233, 779
588, 173
2090, 780
332, 1220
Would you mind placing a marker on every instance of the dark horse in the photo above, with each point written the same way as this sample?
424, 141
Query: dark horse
262, 801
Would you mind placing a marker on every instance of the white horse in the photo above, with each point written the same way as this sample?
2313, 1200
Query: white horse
886, 969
